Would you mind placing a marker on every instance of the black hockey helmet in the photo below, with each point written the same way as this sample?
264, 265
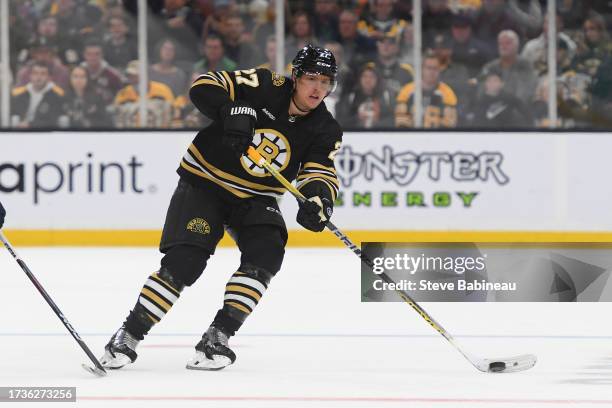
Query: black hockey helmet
315, 60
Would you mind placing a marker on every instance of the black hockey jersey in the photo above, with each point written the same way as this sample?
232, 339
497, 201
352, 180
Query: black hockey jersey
301, 148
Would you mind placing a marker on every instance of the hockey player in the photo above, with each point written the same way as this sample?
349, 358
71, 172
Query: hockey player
221, 189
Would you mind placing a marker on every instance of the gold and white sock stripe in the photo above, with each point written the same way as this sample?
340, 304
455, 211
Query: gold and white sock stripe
243, 292
157, 297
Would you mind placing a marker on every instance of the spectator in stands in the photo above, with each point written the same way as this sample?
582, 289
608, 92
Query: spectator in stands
180, 21
536, 50
257, 11
493, 18
325, 20
186, 115
496, 108
121, 8
47, 32
214, 58
539, 107
46, 54
573, 13
159, 104
358, 48
78, 21
595, 46
467, 49
382, 21
120, 47
437, 18
368, 104
166, 71
19, 33
270, 54
39, 103
213, 24
104, 79
451, 73
395, 75
439, 100
265, 27
601, 89
572, 86
301, 34
517, 73
82, 107
344, 79
406, 55
237, 48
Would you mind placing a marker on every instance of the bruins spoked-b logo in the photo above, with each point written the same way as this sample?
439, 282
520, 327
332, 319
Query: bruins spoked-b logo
278, 79
199, 226
273, 146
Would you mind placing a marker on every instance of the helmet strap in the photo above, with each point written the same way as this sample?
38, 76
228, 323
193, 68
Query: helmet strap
297, 106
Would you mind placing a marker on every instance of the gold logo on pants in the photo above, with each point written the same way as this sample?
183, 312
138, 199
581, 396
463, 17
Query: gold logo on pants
198, 225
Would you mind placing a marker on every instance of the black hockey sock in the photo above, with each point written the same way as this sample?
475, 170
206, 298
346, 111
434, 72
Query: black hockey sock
156, 298
242, 293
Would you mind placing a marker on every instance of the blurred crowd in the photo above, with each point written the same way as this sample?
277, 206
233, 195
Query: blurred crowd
74, 63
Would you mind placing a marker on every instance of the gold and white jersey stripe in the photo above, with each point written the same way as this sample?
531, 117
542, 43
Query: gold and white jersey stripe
195, 163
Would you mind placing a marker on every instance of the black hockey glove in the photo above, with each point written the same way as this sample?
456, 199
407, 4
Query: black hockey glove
239, 126
314, 212
2, 214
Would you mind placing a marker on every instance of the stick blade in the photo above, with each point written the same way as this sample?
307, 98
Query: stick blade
506, 365
94, 370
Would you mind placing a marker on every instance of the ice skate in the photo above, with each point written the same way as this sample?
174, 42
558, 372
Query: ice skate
212, 352
120, 350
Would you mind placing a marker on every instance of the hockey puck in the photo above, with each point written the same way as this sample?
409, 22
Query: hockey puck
497, 366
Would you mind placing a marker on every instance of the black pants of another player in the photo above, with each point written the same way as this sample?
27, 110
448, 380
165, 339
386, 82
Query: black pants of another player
195, 223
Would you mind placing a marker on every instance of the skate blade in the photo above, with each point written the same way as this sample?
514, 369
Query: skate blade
94, 370
114, 363
201, 362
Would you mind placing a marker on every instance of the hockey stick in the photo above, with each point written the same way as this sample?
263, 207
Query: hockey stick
97, 369
491, 365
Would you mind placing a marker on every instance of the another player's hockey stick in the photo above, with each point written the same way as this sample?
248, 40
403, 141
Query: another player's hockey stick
491, 365
97, 369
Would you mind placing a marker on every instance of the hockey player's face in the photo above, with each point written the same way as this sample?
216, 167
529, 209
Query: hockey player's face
311, 89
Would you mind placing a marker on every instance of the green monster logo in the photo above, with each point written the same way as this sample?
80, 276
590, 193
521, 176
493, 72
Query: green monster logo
392, 199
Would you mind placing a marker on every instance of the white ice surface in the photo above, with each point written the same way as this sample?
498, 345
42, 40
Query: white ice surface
310, 343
